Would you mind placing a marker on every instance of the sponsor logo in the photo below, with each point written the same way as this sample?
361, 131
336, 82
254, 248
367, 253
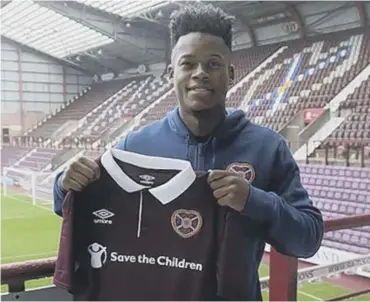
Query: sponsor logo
99, 257
98, 254
147, 179
186, 223
103, 216
245, 170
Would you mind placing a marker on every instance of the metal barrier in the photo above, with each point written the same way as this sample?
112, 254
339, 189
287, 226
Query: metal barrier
282, 282
284, 270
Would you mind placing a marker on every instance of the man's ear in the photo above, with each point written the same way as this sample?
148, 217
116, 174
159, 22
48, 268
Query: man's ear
232, 72
170, 71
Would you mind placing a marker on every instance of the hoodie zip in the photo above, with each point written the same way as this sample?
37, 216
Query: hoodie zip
213, 153
201, 156
140, 215
196, 154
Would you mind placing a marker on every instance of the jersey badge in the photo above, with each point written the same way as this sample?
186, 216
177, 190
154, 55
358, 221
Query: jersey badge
186, 223
245, 170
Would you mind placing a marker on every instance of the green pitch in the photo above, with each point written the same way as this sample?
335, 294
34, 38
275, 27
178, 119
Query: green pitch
32, 232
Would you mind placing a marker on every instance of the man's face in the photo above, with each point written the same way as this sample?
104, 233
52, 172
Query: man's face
201, 71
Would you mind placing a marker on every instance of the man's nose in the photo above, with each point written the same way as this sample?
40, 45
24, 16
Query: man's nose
200, 73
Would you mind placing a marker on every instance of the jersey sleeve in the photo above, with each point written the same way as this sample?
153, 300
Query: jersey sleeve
64, 266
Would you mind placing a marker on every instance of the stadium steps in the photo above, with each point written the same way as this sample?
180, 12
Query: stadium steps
254, 73
16, 164
97, 112
37, 160
78, 109
335, 103
116, 99
314, 72
135, 97
328, 128
147, 92
316, 140
63, 106
122, 131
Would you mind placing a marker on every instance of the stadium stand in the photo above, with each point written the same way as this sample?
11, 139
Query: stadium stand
124, 105
356, 127
78, 108
352, 137
307, 75
37, 159
338, 192
11, 154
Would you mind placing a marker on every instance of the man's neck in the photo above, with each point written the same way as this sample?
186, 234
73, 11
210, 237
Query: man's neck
203, 124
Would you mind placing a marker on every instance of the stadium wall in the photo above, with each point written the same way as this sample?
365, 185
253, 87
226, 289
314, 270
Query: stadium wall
33, 86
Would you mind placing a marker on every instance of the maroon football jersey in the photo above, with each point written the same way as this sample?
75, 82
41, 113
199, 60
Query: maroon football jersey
148, 229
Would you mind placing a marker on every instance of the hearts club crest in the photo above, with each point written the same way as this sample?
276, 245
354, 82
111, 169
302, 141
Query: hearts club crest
186, 223
243, 169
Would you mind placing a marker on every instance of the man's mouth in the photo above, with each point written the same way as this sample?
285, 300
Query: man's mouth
200, 89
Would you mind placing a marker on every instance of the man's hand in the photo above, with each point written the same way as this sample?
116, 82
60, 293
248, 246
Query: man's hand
80, 174
229, 188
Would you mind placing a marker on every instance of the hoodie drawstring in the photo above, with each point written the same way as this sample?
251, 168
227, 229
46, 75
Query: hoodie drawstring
213, 152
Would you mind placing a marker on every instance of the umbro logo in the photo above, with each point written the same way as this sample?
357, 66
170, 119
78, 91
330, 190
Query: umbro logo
103, 216
147, 179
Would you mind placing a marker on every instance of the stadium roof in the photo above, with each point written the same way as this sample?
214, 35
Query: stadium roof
28, 23
125, 8
109, 36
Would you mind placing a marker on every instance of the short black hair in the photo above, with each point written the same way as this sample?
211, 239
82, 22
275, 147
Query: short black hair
202, 18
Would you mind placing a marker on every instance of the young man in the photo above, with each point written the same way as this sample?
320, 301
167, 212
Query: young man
253, 170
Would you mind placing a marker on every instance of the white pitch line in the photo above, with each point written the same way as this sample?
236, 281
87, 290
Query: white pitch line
311, 296
29, 255
14, 217
30, 203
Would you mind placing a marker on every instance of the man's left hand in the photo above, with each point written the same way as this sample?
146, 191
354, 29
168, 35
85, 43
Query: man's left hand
229, 188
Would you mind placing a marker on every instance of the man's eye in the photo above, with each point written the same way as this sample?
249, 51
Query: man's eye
185, 64
214, 64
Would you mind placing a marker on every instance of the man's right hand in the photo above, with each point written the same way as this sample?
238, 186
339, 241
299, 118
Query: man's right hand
80, 174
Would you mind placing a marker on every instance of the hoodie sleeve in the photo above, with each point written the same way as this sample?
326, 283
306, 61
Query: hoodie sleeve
294, 227
58, 195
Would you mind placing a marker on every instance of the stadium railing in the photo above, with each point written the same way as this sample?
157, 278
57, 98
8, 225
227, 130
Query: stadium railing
282, 282
284, 272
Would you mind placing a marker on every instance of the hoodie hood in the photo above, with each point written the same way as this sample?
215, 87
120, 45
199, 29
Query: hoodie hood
233, 124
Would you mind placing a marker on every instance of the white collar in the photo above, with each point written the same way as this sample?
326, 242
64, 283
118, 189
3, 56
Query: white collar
166, 192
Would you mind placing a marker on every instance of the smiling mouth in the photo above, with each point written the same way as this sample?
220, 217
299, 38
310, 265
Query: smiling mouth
200, 89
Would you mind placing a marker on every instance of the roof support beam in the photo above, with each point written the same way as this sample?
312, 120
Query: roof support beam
296, 15
248, 28
328, 15
138, 39
361, 12
3, 3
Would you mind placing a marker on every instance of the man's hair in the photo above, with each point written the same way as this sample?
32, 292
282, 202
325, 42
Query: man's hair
201, 18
